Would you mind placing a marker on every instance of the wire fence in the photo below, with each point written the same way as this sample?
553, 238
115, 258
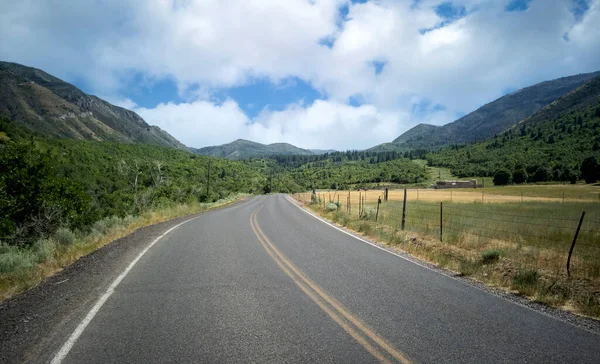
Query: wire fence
537, 229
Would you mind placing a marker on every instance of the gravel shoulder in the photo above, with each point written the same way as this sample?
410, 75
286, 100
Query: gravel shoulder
35, 323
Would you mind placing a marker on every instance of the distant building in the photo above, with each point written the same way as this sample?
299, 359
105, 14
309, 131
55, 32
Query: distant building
456, 184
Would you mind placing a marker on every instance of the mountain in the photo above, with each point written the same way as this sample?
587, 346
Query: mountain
489, 119
551, 145
52, 107
244, 149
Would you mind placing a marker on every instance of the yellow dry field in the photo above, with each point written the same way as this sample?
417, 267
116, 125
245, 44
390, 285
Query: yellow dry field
429, 195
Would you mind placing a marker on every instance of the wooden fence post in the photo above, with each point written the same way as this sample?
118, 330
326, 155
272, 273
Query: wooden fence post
573, 244
377, 213
404, 210
441, 222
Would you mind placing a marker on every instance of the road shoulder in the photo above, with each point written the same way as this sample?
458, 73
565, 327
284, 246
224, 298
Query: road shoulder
586, 323
34, 324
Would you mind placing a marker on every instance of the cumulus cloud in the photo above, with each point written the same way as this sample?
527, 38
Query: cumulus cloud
209, 46
324, 124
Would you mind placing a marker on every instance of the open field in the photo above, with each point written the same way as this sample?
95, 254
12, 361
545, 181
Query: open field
497, 241
505, 194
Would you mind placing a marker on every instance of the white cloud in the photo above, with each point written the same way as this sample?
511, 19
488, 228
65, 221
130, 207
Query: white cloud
324, 124
208, 45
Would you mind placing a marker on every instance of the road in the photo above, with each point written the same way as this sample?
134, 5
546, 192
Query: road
265, 282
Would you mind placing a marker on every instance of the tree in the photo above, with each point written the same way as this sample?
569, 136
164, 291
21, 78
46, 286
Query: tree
542, 174
34, 200
520, 176
590, 169
502, 177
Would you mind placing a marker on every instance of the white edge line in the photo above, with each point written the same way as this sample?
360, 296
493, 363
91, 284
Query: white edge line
64, 350
360, 239
581, 327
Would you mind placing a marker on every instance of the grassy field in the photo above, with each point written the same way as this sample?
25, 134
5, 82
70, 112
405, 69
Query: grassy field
519, 246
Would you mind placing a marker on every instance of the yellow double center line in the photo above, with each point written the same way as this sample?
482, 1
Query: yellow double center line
363, 334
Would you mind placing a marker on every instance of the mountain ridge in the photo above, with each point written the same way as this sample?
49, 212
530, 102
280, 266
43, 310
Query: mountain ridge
245, 149
492, 118
46, 104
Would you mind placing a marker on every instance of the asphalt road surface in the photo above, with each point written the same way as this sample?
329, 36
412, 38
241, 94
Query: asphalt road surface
265, 282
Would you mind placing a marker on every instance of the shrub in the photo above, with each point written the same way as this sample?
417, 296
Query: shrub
365, 227
490, 256
528, 277
14, 259
64, 236
398, 237
368, 214
331, 206
44, 249
468, 267
341, 217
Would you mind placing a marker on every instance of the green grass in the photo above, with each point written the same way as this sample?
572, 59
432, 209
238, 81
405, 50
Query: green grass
437, 173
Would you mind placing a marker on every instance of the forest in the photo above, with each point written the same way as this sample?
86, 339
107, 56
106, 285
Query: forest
564, 147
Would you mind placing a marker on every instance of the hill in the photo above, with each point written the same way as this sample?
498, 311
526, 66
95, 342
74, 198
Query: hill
52, 107
490, 119
245, 149
551, 145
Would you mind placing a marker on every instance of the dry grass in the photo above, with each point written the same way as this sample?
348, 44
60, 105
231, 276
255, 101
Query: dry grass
27, 277
507, 194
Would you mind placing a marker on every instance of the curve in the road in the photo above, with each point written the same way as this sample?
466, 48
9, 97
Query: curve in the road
352, 324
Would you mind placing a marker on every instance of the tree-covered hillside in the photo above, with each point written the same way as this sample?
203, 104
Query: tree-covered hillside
49, 183
245, 149
550, 146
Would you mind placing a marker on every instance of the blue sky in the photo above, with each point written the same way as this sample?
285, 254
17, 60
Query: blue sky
319, 74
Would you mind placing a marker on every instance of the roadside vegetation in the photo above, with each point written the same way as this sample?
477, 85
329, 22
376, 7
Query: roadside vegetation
518, 247
61, 199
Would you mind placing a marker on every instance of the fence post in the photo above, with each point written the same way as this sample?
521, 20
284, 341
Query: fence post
404, 210
386, 194
441, 221
377, 213
339, 206
573, 245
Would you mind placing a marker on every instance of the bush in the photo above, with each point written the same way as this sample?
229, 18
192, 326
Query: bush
64, 236
528, 277
341, 217
365, 227
368, 214
331, 206
490, 256
398, 237
14, 259
44, 249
